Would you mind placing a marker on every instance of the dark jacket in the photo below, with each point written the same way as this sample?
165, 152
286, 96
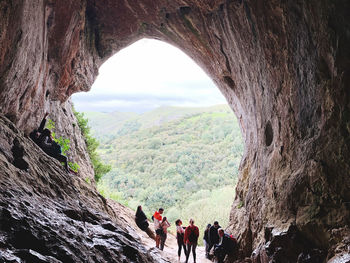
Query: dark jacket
227, 244
34, 135
49, 146
214, 235
206, 235
141, 220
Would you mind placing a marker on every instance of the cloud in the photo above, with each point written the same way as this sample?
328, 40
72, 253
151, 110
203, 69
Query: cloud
146, 75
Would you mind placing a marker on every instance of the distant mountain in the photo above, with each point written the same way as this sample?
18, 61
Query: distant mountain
120, 123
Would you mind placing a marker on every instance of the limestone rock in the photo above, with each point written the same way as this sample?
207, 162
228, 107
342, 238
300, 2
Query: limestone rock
48, 215
282, 65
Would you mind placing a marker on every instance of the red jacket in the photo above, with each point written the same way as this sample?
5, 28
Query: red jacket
157, 216
188, 232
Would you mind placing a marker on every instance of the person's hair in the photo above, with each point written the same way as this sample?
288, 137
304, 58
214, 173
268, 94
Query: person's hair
16, 141
160, 209
139, 209
191, 220
177, 222
216, 223
46, 132
164, 218
209, 225
221, 229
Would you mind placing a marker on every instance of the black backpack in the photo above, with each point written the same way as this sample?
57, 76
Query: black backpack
192, 237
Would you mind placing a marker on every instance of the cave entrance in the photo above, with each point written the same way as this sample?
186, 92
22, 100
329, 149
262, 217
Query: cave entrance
167, 132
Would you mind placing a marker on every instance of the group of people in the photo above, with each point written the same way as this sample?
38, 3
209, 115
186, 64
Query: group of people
43, 138
216, 241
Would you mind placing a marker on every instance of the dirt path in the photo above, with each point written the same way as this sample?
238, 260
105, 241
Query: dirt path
170, 249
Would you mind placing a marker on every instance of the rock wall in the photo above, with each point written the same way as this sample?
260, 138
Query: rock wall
66, 125
48, 215
282, 65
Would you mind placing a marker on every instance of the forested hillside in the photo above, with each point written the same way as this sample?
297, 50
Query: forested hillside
183, 159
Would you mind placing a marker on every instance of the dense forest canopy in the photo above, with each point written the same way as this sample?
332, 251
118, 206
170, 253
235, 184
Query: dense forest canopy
182, 159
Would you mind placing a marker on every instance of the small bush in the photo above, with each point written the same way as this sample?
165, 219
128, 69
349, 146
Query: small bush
100, 168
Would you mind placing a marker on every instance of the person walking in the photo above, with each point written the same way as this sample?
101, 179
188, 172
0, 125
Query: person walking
213, 235
180, 233
206, 240
164, 225
157, 219
191, 240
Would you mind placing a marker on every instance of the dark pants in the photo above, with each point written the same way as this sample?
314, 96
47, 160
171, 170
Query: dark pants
188, 248
162, 240
210, 245
180, 244
61, 158
206, 248
220, 253
179, 249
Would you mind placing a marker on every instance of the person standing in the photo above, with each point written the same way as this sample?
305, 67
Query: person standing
164, 225
213, 235
180, 233
206, 240
191, 240
157, 219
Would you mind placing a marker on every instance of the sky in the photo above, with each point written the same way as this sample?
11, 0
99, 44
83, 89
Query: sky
146, 75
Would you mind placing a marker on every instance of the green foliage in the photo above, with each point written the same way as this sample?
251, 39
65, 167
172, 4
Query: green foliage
91, 143
184, 160
87, 179
50, 124
65, 145
74, 166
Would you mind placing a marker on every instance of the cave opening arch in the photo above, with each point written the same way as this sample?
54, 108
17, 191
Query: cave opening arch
181, 78
282, 65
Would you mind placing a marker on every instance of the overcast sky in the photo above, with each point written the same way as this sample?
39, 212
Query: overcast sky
146, 75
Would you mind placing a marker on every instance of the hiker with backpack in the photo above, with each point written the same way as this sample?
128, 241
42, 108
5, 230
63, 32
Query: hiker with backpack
225, 246
180, 234
213, 235
164, 225
206, 240
191, 240
157, 219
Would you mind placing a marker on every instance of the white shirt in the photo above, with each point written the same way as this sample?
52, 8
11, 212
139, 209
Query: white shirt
156, 224
180, 230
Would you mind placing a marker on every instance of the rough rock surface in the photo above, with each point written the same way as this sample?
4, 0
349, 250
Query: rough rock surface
282, 65
48, 215
67, 126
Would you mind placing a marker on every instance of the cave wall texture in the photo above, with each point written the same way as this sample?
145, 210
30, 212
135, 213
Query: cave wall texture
283, 66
